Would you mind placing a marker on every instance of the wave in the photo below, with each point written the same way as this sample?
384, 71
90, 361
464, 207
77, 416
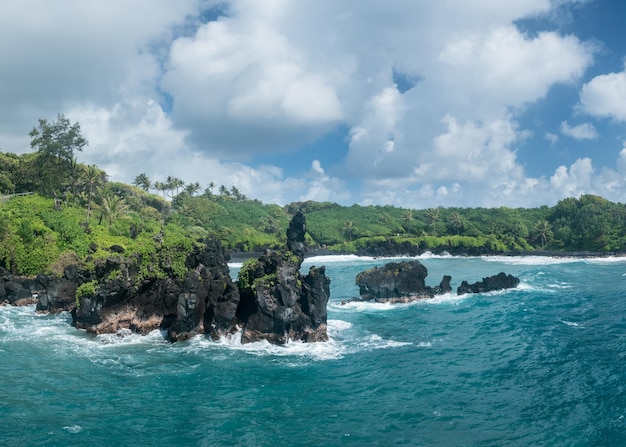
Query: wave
606, 260
552, 260
297, 353
572, 324
531, 260
369, 306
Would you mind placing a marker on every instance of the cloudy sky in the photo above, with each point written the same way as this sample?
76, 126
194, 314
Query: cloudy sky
403, 102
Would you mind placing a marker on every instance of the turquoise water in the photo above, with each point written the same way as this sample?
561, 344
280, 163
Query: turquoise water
543, 365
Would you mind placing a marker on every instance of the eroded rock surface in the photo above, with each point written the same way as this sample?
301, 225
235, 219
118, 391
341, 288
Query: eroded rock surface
402, 282
277, 302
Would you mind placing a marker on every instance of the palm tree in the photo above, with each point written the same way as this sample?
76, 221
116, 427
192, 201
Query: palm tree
93, 179
457, 222
348, 227
234, 191
178, 183
212, 186
111, 207
74, 174
160, 186
192, 188
433, 215
407, 217
142, 181
543, 232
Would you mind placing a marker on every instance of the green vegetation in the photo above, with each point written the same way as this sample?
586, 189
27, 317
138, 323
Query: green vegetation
76, 215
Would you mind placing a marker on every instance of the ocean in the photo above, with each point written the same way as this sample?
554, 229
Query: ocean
540, 365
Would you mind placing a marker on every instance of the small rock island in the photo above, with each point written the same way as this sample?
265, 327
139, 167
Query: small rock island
405, 281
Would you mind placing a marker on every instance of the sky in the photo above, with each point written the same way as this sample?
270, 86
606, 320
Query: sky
416, 104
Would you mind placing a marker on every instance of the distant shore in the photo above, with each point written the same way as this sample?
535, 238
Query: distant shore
238, 256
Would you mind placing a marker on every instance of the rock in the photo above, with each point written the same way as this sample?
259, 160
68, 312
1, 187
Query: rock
500, 281
403, 282
56, 294
296, 233
128, 293
279, 304
15, 293
115, 248
203, 301
397, 282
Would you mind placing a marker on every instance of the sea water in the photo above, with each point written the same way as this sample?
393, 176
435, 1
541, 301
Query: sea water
543, 364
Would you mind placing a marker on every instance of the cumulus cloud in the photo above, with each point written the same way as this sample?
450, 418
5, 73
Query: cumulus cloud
605, 96
245, 74
56, 56
584, 131
170, 95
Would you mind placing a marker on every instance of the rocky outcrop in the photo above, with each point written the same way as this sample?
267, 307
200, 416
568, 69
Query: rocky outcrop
277, 302
397, 282
127, 292
117, 296
500, 281
52, 294
402, 282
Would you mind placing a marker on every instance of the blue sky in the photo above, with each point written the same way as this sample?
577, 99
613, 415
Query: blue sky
413, 104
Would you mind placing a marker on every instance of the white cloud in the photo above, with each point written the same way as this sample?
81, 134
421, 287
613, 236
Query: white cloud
504, 66
138, 137
57, 56
584, 131
273, 75
575, 180
605, 96
552, 138
621, 161
244, 73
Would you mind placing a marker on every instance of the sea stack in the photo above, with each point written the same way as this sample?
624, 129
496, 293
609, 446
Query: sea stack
278, 303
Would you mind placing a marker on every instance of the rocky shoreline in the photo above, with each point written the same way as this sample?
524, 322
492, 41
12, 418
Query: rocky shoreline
272, 302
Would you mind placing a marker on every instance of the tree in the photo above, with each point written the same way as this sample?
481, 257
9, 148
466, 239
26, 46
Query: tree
457, 222
433, 216
142, 181
543, 232
212, 186
348, 227
160, 186
111, 207
407, 217
192, 188
93, 178
55, 143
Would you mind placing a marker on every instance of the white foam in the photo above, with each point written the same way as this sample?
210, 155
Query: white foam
551, 260
606, 260
338, 325
368, 306
572, 324
337, 258
531, 260
292, 349
73, 429
559, 285
127, 337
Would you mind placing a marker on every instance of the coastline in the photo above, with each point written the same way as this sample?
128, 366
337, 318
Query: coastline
238, 256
